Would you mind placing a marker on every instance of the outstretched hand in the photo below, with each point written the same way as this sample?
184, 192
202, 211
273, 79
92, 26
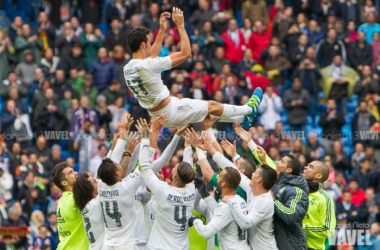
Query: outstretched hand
128, 120
133, 140
207, 144
208, 122
163, 18
244, 135
157, 124
143, 128
194, 138
229, 148
177, 16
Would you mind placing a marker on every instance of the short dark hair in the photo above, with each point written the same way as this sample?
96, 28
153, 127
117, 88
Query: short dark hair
101, 146
294, 164
107, 172
231, 178
57, 174
82, 191
269, 176
136, 37
249, 166
185, 173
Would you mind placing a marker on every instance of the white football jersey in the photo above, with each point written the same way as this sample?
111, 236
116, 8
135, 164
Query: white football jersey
149, 215
119, 211
174, 208
143, 78
94, 224
142, 197
230, 235
259, 220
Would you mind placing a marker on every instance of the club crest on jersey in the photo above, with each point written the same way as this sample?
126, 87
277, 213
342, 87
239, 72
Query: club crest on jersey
133, 175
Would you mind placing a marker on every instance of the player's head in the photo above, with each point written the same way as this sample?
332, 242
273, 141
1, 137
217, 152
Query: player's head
316, 171
289, 164
110, 172
84, 190
246, 166
138, 40
182, 174
264, 176
228, 179
64, 176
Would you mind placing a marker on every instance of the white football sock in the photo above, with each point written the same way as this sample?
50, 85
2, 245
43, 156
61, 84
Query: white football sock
233, 110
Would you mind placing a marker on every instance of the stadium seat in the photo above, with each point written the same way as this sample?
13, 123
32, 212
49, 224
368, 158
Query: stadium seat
20, 13
26, 6
8, 6
65, 155
103, 27
348, 118
76, 167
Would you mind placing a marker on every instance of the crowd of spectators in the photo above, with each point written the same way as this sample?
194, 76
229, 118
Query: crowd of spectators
63, 93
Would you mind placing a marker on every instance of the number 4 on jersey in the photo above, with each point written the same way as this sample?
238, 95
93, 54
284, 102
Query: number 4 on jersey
183, 219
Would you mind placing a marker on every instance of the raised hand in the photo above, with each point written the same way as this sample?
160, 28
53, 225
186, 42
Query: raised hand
262, 154
182, 129
143, 128
193, 137
128, 120
163, 18
207, 144
244, 135
229, 148
159, 123
208, 122
177, 17
132, 142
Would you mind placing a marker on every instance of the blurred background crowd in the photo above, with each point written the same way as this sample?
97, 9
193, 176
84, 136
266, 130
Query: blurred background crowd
63, 93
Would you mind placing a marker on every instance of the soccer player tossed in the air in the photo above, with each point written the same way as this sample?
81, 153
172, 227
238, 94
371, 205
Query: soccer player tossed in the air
143, 77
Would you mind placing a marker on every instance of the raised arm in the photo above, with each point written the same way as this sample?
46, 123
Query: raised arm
185, 53
196, 141
168, 152
156, 47
220, 220
253, 218
207, 126
259, 155
147, 153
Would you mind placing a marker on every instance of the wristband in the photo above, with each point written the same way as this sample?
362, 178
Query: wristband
201, 155
211, 133
252, 146
109, 155
127, 154
236, 158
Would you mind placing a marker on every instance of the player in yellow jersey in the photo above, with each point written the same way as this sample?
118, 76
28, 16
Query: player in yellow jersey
72, 234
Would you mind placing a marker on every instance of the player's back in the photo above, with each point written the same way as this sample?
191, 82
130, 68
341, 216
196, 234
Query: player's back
119, 212
143, 78
174, 208
94, 224
262, 234
231, 236
69, 222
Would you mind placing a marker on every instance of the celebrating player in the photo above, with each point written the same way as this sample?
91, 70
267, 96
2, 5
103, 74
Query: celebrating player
143, 77
175, 203
87, 201
70, 227
230, 235
117, 193
319, 222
